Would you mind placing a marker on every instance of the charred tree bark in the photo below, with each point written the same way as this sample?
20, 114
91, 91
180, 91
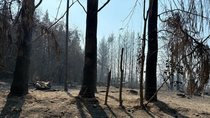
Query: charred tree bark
121, 79
142, 56
67, 37
151, 79
90, 65
172, 82
107, 90
60, 75
21, 74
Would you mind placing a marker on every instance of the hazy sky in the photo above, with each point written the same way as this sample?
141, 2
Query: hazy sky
110, 18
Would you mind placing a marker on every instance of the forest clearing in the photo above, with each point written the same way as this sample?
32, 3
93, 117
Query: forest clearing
56, 103
52, 68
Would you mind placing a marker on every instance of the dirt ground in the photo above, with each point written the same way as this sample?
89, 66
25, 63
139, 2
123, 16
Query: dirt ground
57, 103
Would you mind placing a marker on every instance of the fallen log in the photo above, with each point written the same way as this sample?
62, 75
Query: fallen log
42, 85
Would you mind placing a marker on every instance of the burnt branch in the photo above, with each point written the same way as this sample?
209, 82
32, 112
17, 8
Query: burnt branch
38, 4
103, 6
58, 10
52, 25
168, 11
82, 6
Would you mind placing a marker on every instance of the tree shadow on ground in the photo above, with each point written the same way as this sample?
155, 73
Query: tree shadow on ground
126, 112
168, 110
13, 107
69, 94
111, 111
113, 98
79, 107
87, 109
110, 97
149, 114
96, 111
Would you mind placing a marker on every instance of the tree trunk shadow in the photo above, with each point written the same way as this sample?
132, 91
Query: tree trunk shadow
79, 107
69, 94
126, 112
111, 111
148, 112
97, 111
110, 97
94, 110
13, 107
168, 110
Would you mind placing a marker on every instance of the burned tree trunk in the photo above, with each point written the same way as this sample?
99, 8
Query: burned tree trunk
67, 37
151, 79
21, 74
90, 65
107, 90
121, 79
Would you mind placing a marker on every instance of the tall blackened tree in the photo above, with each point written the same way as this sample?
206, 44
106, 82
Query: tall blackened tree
5, 35
67, 36
150, 84
21, 74
90, 64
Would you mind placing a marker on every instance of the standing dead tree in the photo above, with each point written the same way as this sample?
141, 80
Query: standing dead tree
67, 38
141, 55
121, 79
19, 84
152, 52
185, 28
184, 32
107, 90
89, 80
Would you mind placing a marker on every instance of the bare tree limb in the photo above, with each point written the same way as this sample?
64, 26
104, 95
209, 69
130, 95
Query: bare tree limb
165, 31
51, 25
58, 10
206, 39
38, 4
18, 15
81, 6
103, 6
162, 20
130, 14
97, 10
11, 12
175, 4
182, 11
185, 33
